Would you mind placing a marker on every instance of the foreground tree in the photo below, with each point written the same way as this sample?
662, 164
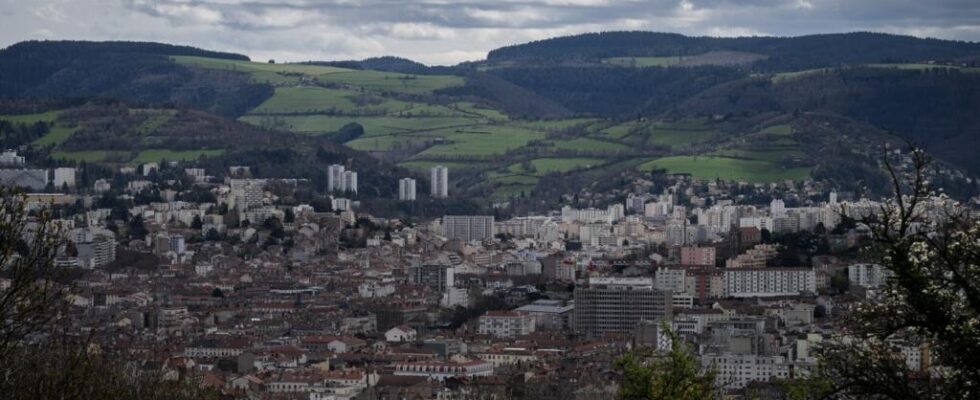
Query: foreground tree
40, 358
675, 375
933, 249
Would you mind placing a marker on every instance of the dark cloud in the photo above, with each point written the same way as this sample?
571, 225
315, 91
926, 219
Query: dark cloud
448, 31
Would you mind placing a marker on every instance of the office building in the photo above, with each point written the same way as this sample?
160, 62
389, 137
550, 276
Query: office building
440, 182
617, 305
468, 227
406, 189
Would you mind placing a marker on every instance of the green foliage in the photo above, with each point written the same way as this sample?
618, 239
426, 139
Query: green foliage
675, 375
933, 299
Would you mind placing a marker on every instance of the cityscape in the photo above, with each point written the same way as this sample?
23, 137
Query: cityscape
621, 214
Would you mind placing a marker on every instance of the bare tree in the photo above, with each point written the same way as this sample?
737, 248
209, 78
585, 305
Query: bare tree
31, 294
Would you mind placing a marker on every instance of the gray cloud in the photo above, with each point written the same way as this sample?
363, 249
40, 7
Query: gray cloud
449, 31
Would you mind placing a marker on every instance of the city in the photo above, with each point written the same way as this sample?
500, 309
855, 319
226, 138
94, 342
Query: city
479, 200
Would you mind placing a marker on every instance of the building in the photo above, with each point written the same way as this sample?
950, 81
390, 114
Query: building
63, 177
32, 179
737, 370
335, 178
505, 324
765, 282
617, 305
549, 314
401, 333
436, 277
406, 189
101, 186
870, 276
176, 244
439, 182
96, 246
247, 193
442, 370
468, 227
9, 158
756, 257
350, 181
698, 256
670, 279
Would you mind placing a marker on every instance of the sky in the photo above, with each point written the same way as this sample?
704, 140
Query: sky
443, 32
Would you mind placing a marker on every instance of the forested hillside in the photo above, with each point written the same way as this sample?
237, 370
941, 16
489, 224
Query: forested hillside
134, 71
937, 107
781, 53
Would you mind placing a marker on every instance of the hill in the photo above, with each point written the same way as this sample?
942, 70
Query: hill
111, 133
564, 113
138, 72
776, 53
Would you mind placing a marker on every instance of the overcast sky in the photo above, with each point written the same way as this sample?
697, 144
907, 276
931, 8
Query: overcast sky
450, 31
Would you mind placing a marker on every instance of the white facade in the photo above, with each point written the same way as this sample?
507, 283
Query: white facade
335, 178
869, 276
765, 282
439, 181
441, 370
737, 370
670, 279
406, 189
468, 227
350, 181
401, 334
506, 324
10, 158
64, 177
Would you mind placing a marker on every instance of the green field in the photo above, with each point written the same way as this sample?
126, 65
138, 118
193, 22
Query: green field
311, 99
48, 117
55, 136
641, 62
373, 126
479, 112
779, 130
620, 131
261, 72
480, 140
391, 81
542, 166
155, 119
709, 168
588, 145
555, 125
172, 155
768, 155
925, 66
87, 156
789, 76
423, 165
